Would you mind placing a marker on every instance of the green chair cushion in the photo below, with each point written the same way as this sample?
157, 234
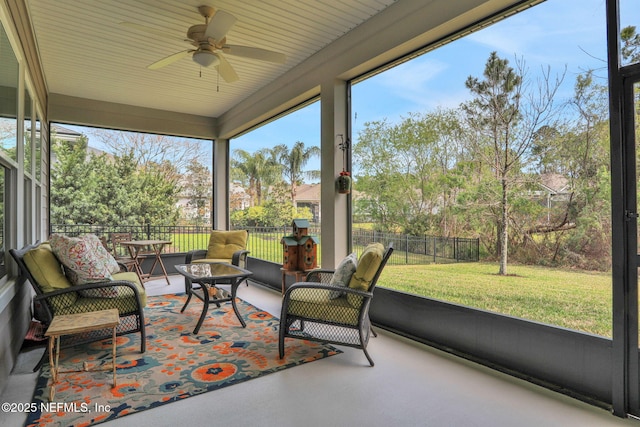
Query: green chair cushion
316, 304
368, 265
223, 244
131, 276
124, 302
209, 260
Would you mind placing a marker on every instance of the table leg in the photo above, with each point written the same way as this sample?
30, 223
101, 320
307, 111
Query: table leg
159, 257
284, 275
205, 308
157, 252
187, 302
135, 252
113, 357
234, 289
52, 367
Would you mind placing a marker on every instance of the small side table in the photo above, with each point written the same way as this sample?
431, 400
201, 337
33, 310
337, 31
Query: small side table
77, 324
299, 275
136, 247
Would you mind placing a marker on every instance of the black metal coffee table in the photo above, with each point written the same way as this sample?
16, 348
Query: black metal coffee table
207, 275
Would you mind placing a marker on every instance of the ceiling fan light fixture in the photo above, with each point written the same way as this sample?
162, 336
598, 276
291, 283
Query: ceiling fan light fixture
206, 58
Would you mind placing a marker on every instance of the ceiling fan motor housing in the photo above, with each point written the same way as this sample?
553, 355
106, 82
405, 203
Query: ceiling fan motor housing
196, 32
210, 42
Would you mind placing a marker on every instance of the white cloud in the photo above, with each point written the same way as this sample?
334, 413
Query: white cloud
414, 82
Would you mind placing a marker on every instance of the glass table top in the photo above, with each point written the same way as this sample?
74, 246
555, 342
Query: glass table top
211, 270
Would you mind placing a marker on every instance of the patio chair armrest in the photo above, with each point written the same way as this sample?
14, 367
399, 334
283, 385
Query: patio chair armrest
87, 286
194, 255
123, 266
240, 258
328, 287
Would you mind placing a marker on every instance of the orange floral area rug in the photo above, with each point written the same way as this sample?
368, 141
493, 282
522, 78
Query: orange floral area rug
176, 365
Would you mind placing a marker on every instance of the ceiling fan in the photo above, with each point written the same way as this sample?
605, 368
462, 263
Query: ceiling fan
210, 42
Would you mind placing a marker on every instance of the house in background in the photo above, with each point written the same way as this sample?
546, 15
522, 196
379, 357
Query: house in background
555, 188
239, 199
64, 134
552, 191
308, 196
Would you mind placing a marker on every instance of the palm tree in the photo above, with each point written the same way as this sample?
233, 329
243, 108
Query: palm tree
293, 161
258, 169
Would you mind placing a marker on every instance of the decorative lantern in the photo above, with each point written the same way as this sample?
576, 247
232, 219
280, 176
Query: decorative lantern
344, 182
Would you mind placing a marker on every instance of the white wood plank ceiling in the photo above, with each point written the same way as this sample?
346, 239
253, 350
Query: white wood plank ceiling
87, 51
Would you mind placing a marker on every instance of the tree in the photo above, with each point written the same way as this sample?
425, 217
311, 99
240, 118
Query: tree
110, 191
257, 170
69, 203
152, 148
503, 118
293, 161
631, 55
407, 173
197, 187
630, 45
156, 195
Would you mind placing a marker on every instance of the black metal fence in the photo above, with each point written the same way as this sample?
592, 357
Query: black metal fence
421, 249
183, 238
264, 242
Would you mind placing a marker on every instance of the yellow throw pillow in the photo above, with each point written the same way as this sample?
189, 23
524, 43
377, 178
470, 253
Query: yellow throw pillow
222, 244
368, 264
47, 272
46, 269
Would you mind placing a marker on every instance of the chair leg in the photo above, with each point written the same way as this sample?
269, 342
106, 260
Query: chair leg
143, 332
281, 339
366, 353
363, 343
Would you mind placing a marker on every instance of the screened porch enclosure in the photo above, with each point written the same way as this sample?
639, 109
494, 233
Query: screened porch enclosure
324, 65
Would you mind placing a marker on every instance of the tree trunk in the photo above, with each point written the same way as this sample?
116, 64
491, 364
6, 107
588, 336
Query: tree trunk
504, 234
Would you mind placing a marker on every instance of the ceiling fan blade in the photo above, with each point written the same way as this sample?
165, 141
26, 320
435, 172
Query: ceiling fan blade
220, 24
226, 70
170, 59
255, 53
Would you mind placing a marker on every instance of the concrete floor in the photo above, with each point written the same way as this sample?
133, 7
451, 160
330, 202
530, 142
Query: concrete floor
410, 385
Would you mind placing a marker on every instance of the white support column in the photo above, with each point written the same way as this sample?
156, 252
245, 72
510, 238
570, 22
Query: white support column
220, 167
335, 210
19, 224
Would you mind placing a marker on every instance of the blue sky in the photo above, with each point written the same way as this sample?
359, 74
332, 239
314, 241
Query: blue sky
555, 34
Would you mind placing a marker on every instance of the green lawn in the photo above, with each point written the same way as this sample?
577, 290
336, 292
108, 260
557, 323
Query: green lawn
572, 299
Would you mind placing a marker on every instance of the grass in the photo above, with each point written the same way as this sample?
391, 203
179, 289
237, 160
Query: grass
572, 299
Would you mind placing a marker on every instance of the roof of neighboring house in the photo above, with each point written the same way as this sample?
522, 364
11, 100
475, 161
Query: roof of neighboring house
554, 182
308, 193
62, 131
